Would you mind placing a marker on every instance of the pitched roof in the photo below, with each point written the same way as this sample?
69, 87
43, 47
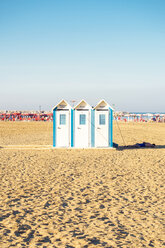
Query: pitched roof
102, 104
61, 105
82, 105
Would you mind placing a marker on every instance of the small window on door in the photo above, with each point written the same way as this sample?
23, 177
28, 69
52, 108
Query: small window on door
82, 119
102, 119
62, 119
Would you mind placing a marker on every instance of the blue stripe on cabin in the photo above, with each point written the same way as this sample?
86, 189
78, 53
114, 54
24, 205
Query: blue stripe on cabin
73, 127
72, 132
110, 127
92, 127
54, 127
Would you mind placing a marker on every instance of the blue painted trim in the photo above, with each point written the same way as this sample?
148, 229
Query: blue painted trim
73, 127
72, 133
92, 128
54, 127
110, 127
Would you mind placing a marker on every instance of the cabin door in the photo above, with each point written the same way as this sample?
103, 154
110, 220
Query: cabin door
82, 125
101, 125
63, 129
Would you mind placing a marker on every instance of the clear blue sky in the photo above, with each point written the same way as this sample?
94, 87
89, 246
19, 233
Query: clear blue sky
74, 49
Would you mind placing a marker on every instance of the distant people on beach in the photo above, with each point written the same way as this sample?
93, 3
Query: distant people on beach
140, 118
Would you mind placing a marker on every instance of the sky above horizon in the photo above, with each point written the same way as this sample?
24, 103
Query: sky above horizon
52, 50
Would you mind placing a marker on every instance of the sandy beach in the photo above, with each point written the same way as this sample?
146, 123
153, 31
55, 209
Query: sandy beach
84, 198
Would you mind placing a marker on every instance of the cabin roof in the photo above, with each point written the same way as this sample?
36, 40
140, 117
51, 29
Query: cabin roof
82, 103
62, 104
103, 105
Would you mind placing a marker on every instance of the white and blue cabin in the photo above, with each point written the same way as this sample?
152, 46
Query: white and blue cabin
102, 117
82, 125
62, 125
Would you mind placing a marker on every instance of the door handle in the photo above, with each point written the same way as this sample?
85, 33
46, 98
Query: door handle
79, 128
98, 128
59, 127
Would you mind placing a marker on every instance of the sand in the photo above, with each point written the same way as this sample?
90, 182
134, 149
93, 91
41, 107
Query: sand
81, 198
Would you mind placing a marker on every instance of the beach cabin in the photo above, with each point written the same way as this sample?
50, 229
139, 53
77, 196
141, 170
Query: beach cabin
62, 125
82, 125
103, 119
